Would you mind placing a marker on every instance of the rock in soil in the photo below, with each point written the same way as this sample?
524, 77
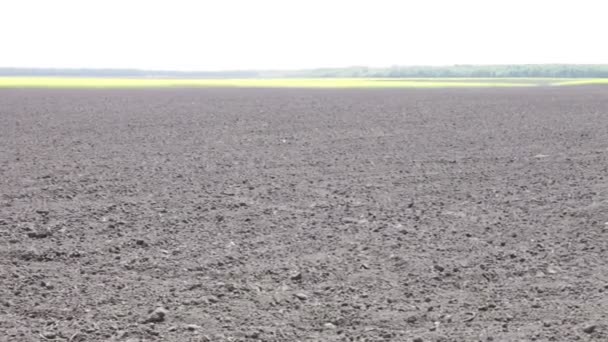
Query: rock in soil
40, 234
301, 296
157, 316
590, 329
329, 326
193, 327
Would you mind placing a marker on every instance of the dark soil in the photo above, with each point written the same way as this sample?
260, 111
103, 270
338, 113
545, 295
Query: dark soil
304, 215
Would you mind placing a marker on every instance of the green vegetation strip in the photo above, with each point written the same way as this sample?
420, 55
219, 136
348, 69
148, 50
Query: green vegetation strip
75, 82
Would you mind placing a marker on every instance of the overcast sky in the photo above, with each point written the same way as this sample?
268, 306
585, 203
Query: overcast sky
280, 34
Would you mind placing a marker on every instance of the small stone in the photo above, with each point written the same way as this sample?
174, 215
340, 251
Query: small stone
301, 296
192, 327
212, 299
157, 316
75, 254
255, 334
418, 339
230, 287
329, 326
152, 332
590, 329
296, 276
41, 234
49, 335
141, 243
551, 270
439, 268
46, 285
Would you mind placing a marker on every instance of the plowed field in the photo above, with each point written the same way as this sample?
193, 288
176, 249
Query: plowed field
304, 215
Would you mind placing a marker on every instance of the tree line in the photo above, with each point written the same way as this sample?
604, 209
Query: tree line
468, 71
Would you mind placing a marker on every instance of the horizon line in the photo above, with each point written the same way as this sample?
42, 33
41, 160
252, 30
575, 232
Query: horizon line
295, 69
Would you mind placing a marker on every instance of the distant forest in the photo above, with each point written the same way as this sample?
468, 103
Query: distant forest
474, 71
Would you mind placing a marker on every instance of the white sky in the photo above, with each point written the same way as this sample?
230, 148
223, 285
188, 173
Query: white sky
279, 34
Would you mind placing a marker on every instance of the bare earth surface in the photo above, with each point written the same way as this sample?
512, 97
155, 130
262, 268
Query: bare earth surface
304, 215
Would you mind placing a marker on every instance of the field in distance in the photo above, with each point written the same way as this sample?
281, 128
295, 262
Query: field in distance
86, 82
